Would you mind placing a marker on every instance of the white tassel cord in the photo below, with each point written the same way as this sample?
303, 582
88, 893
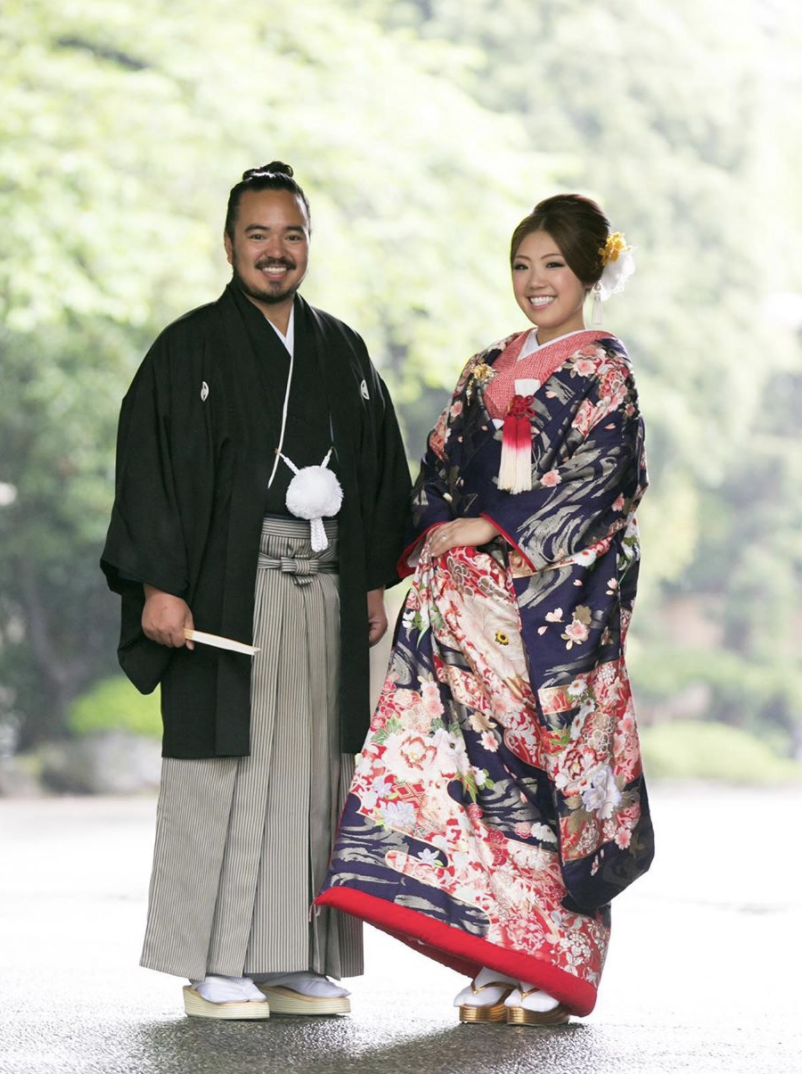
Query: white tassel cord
597, 317
313, 493
515, 468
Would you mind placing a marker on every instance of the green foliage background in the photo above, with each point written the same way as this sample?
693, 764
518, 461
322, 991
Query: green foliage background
422, 132
112, 704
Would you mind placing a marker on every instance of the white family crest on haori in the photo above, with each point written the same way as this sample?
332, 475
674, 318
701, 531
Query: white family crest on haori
363, 388
313, 493
204, 392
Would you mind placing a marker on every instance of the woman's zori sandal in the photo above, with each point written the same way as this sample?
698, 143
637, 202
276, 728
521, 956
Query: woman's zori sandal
483, 999
494, 997
532, 1007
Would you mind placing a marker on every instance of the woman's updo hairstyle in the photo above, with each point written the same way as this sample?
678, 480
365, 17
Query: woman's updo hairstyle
274, 176
577, 225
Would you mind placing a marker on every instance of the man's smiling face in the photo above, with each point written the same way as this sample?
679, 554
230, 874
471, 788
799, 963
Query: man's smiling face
269, 250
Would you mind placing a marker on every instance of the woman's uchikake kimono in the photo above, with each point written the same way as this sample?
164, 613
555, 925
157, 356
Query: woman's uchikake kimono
499, 804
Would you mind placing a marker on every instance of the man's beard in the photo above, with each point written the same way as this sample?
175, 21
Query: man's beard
270, 296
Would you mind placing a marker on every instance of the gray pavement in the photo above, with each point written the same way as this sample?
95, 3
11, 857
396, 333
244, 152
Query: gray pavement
702, 977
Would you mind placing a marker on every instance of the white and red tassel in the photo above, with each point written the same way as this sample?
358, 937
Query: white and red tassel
515, 471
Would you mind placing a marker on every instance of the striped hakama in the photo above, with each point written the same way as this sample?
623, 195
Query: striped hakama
243, 843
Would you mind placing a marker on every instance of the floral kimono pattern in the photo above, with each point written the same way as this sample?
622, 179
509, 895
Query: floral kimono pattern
498, 804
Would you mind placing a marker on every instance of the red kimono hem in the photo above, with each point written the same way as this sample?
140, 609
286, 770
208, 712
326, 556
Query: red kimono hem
459, 950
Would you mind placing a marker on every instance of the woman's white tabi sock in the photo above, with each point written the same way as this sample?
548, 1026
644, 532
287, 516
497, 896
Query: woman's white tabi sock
493, 985
215, 989
535, 1000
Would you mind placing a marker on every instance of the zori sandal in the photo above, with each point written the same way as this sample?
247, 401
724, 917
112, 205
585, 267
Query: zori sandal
519, 1014
198, 1007
491, 1006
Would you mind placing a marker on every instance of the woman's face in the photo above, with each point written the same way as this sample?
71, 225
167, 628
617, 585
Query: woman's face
546, 289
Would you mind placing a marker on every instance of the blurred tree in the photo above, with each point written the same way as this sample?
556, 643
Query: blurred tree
422, 131
674, 116
123, 128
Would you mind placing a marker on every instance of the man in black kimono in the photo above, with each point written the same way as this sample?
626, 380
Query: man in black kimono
231, 401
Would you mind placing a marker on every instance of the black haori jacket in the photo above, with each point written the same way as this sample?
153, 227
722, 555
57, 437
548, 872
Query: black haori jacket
197, 437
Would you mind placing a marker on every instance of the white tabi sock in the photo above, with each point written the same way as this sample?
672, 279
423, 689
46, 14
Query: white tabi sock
216, 989
493, 985
538, 1001
307, 983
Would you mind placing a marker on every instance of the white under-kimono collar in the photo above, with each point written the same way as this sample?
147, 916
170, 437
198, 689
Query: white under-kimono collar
289, 339
531, 344
528, 385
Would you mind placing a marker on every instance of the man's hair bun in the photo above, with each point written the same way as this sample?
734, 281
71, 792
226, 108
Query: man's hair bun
273, 176
275, 167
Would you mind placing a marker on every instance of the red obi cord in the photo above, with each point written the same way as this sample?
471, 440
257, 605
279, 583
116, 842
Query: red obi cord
521, 406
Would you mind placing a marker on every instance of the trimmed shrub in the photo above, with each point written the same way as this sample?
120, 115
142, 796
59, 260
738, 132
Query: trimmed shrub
113, 704
690, 749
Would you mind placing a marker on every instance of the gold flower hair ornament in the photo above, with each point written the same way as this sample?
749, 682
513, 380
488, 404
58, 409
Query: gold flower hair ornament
619, 264
614, 246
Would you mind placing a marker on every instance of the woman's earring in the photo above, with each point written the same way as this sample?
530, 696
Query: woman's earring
596, 316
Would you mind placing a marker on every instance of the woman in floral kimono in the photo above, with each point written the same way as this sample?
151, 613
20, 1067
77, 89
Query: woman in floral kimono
499, 804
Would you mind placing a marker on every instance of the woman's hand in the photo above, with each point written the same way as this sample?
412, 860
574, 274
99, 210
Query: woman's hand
459, 533
165, 617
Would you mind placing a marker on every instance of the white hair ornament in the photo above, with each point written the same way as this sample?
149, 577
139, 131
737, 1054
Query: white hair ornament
619, 264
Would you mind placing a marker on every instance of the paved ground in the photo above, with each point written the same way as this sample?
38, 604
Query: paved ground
703, 974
